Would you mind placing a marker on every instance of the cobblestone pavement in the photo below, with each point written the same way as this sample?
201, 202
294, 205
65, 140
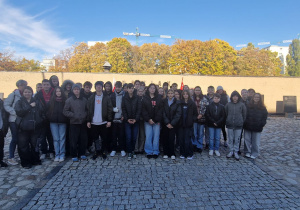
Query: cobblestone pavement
271, 181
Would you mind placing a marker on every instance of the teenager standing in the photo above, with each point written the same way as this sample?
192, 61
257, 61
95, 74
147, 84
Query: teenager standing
152, 114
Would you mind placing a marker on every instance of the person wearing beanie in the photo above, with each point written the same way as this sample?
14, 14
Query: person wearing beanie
75, 110
99, 118
224, 100
235, 118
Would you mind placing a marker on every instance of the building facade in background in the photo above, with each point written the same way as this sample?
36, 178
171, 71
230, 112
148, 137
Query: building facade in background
282, 51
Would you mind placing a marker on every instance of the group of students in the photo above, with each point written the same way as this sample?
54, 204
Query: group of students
71, 120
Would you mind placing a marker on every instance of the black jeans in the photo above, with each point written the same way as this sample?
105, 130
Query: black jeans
1, 145
186, 146
46, 139
99, 130
168, 140
27, 141
78, 139
224, 133
107, 142
118, 136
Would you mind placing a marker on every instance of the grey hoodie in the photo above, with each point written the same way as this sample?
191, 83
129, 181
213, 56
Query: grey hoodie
119, 97
9, 104
235, 115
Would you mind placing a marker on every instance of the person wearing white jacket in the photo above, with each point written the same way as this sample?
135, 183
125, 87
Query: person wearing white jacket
9, 105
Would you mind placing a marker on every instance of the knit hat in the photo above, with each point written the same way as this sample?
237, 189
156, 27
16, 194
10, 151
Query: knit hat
98, 83
76, 86
219, 88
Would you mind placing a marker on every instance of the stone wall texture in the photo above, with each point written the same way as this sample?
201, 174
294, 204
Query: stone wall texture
273, 88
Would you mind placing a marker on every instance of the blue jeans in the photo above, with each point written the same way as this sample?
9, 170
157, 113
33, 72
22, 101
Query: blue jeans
152, 138
58, 131
14, 139
214, 138
197, 138
131, 132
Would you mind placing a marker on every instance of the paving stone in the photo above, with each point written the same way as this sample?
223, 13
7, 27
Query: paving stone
22, 193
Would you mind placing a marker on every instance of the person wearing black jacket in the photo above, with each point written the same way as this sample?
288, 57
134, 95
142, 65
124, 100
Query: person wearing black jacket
256, 119
152, 114
99, 118
171, 117
188, 117
58, 123
3, 131
107, 143
30, 118
215, 119
131, 110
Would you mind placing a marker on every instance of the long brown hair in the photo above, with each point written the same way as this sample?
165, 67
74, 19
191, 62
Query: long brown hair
260, 104
53, 99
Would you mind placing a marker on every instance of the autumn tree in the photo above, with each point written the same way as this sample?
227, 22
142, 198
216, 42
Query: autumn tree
252, 61
80, 62
97, 55
63, 59
293, 59
119, 55
28, 65
7, 62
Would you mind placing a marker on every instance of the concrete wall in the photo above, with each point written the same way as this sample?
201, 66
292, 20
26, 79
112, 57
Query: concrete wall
273, 88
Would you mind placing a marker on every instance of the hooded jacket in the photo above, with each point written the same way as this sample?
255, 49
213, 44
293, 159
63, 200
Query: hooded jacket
215, 113
172, 113
256, 119
26, 114
50, 79
131, 107
63, 86
235, 113
116, 100
75, 109
191, 114
4, 117
150, 111
9, 104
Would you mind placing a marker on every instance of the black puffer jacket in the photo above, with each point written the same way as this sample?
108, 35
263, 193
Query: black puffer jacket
171, 114
256, 119
215, 113
75, 109
149, 112
4, 116
191, 114
107, 108
56, 115
27, 114
131, 107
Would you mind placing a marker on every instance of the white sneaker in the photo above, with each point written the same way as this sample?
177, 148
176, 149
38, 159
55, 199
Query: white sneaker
181, 157
113, 153
61, 159
12, 162
43, 156
56, 159
252, 157
165, 157
51, 156
211, 152
173, 157
190, 157
230, 154
123, 153
247, 155
236, 156
217, 153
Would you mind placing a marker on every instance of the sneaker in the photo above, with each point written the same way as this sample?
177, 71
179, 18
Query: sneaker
181, 157
217, 153
230, 154
247, 155
2, 164
165, 157
104, 156
149, 156
51, 156
12, 162
43, 157
113, 153
239, 152
173, 157
134, 155
87, 153
211, 152
252, 157
225, 144
123, 153
236, 156
75, 159
62, 159
56, 159
200, 150
83, 157
190, 157
155, 156
129, 156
